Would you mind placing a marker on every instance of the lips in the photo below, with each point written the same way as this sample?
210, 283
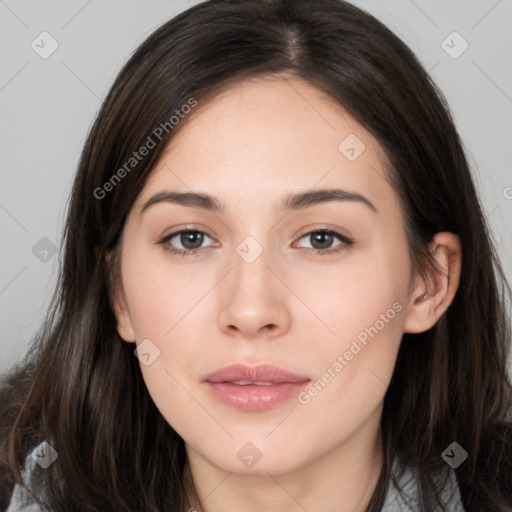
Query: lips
253, 388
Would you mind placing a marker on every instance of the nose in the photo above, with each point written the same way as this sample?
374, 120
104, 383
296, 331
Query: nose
253, 300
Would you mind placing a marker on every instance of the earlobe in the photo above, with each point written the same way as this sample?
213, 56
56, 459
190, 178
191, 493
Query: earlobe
119, 307
124, 326
433, 295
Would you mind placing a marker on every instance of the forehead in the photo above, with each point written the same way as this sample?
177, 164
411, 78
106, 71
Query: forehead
267, 136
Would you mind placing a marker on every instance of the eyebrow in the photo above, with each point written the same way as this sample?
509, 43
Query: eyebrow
294, 201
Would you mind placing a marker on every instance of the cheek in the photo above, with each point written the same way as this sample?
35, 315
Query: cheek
362, 303
165, 306
353, 368
367, 324
355, 296
164, 309
160, 294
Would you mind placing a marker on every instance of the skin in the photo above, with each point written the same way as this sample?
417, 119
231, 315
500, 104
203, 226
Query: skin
250, 146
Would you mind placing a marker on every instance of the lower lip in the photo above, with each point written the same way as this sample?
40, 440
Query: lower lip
255, 398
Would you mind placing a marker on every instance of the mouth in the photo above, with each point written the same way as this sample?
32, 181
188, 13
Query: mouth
254, 388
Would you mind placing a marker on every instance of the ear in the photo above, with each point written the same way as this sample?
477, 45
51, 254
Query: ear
430, 299
118, 303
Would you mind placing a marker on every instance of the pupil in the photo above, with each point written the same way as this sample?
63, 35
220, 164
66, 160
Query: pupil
326, 237
189, 237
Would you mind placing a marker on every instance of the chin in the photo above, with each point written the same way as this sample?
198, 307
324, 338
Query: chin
257, 457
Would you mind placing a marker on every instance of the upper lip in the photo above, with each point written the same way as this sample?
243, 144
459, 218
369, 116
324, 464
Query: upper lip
260, 373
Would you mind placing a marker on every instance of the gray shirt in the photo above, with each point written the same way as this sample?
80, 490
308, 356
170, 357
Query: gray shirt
408, 500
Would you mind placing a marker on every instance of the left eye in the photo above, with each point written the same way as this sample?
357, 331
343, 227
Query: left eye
192, 240
322, 240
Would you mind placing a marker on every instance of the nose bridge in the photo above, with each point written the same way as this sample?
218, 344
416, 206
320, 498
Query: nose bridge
252, 300
250, 280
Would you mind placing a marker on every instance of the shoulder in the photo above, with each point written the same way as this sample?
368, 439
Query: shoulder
405, 497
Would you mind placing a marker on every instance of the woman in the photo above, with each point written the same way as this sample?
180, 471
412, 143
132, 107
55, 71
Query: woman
200, 355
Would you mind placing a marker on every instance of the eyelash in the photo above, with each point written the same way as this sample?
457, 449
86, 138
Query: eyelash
346, 242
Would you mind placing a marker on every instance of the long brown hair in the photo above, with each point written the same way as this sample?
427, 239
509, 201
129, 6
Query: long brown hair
80, 386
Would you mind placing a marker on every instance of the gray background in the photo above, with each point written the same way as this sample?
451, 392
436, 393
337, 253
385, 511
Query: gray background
47, 106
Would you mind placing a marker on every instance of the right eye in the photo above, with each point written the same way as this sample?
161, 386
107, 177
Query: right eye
190, 240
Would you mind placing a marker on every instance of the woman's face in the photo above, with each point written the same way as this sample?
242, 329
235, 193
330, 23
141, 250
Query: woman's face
251, 290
